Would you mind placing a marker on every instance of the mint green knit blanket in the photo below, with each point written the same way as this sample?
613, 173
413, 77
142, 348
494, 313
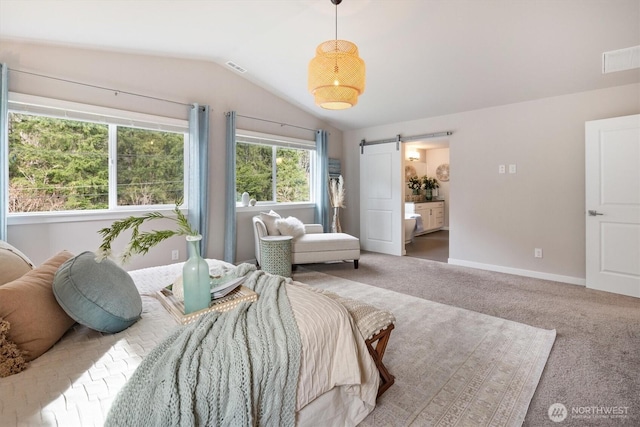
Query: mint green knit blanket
238, 368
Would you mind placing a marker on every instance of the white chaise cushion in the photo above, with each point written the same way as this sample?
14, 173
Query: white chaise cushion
290, 226
313, 228
320, 242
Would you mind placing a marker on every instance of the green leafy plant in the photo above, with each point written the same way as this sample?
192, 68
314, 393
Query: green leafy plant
430, 183
142, 241
415, 183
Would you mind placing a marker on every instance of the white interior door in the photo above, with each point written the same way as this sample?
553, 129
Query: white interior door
612, 181
380, 199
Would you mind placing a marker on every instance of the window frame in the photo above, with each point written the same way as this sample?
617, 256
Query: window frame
48, 107
278, 141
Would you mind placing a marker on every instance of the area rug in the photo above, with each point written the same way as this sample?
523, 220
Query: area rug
453, 367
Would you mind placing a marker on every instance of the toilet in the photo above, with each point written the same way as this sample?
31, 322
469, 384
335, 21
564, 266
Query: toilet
409, 226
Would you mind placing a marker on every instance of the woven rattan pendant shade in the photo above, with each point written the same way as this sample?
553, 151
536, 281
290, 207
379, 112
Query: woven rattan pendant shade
336, 75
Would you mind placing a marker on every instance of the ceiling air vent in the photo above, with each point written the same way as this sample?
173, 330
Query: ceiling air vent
621, 59
236, 67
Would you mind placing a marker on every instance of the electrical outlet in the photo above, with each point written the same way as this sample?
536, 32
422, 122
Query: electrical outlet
501, 169
175, 255
512, 169
537, 252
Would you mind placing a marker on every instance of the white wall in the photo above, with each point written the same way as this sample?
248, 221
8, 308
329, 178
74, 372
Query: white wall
497, 220
181, 80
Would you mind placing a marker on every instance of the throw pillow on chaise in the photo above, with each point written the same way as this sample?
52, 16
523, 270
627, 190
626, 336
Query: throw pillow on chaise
290, 226
269, 219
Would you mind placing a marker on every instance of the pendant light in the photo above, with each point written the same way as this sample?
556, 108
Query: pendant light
336, 73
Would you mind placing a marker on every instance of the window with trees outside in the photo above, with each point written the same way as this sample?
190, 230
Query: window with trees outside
274, 169
77, 158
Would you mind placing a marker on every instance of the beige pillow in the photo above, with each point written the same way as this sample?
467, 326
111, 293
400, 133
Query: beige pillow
269, 219
28, 304
13, 263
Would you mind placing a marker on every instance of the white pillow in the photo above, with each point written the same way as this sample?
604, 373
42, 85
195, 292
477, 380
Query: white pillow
269, 219
290, 226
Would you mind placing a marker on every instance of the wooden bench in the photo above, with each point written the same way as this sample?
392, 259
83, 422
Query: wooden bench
377, 353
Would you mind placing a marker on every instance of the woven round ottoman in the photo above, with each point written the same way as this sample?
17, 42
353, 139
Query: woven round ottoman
275, 253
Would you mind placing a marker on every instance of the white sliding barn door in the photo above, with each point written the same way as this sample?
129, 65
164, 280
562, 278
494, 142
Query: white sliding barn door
381, 222
612, 181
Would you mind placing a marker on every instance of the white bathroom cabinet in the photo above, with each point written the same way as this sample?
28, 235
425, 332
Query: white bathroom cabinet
432, 214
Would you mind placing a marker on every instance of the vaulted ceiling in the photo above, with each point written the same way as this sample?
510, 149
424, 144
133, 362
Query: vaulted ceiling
424, 58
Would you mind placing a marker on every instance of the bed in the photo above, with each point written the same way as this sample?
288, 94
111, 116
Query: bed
76, 381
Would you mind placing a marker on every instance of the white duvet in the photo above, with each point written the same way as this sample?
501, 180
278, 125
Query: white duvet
75, 382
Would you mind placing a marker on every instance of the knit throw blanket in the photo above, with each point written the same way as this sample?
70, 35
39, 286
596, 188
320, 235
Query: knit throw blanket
238, 368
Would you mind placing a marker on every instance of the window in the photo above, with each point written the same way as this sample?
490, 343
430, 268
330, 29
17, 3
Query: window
70, 157
274, 169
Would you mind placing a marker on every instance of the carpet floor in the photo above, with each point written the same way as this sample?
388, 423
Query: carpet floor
593, 367
452, 366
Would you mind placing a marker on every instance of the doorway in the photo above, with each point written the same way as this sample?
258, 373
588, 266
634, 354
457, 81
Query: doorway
431, 235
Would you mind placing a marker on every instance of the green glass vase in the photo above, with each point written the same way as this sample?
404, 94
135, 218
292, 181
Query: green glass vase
195, 278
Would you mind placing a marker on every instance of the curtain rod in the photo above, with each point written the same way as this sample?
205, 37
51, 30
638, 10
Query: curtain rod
115, 91
271, 121
398, 139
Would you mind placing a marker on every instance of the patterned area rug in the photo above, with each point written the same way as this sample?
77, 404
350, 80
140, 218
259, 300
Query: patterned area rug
453, 367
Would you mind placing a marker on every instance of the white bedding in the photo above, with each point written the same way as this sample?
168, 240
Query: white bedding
75, 382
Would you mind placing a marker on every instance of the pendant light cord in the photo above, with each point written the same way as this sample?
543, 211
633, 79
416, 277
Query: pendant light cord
336, 24
335, 67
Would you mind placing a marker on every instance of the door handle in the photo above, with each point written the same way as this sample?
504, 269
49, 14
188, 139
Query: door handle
593, 212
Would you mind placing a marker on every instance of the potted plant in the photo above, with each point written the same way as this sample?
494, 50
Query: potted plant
195, 273
415, 184
430, 184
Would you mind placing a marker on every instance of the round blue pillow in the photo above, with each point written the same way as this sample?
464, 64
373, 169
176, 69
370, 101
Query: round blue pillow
99, 295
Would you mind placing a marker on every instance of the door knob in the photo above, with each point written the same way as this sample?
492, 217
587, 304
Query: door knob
594, 213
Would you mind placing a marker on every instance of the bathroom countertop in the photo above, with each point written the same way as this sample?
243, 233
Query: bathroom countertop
428, 201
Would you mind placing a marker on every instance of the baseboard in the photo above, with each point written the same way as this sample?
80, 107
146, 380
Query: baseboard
519, 272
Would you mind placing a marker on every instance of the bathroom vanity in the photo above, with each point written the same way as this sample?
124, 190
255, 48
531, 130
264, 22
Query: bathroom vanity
432, 213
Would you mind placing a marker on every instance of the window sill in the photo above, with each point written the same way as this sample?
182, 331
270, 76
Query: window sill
103, 215
275, 206
83, 216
